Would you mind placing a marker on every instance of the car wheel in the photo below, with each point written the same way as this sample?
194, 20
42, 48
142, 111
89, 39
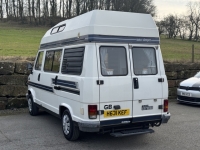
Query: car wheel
33, 109
71, 132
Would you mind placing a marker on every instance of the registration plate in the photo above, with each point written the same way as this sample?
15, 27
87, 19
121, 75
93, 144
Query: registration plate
147, 107
115, 113
186, 94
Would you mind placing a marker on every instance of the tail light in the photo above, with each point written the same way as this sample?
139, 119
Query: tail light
92, 111
165, 105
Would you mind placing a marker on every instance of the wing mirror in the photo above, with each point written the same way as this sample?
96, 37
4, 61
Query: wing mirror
30, 67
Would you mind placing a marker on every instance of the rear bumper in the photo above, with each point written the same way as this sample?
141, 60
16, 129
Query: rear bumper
166, 117
88, 126
138, 122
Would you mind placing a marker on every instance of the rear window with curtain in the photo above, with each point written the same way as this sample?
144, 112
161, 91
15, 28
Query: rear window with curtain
144, 61
73, 61
113, 61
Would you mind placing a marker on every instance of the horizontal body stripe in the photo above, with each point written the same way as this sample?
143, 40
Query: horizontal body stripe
40, 86
123, 39
64, 83
102, 38
50, 89
66, 86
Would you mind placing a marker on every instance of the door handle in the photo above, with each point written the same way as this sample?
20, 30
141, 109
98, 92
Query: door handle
38, 77
136, 83
160, 79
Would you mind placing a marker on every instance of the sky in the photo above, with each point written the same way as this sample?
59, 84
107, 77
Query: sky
166, 7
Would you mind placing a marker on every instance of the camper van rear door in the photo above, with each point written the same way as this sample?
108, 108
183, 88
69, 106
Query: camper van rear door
145, 68
116, 90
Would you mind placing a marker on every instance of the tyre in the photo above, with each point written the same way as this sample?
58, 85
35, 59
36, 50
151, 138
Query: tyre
70, 131
33, 109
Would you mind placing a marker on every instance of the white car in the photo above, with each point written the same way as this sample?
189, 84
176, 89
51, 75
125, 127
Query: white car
189, 90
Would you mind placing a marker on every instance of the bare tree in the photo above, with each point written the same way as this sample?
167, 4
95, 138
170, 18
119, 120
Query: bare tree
1, 9
7, 14
33, 11
14, 8
21, 9
194, 9
183, 27
170, 25
49, 12
29, 11
53, 4
161, 27
38, 9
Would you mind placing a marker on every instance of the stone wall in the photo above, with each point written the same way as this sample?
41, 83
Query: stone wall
13, 78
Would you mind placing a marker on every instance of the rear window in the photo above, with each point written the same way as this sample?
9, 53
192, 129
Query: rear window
113, 61
144, 61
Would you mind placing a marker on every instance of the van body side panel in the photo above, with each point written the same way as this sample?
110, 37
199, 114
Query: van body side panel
85, 84
89, 87
163, 75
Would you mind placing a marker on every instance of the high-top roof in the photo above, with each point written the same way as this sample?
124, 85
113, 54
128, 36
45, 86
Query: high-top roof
102, 22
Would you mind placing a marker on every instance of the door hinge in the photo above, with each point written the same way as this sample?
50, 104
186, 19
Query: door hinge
100, 82
160, 106
160, 79
130, 46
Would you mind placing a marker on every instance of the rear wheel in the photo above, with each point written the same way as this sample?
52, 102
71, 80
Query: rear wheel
71, 132
33, 109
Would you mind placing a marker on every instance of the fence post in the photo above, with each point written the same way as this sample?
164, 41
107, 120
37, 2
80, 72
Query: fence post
192, 53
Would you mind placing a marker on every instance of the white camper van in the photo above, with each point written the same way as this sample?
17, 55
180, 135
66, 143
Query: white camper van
101, 72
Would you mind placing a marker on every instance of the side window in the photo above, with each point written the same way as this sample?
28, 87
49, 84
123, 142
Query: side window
73, 61
38, 64
58, 29
52, 61
56, 61
54, 30
113, 61
144, 61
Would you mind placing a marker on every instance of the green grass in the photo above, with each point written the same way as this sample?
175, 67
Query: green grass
178, 50
20, 41
17, 40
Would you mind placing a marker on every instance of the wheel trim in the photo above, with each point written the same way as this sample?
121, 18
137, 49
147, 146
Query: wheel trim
30, 105
66, 124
